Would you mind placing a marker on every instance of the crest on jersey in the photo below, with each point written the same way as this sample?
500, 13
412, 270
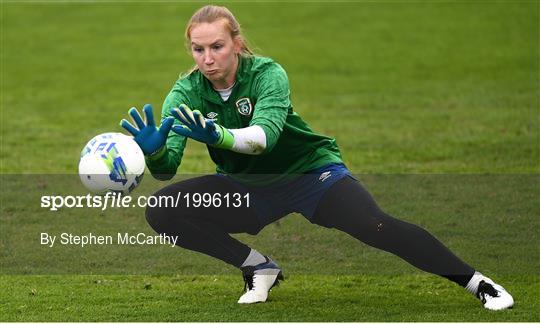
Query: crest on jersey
244, 106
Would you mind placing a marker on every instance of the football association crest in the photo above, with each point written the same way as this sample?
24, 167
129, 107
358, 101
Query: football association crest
244, 106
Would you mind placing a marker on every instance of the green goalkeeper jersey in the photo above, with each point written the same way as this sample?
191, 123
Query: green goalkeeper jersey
260, 96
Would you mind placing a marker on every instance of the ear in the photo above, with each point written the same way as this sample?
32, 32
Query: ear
237, 44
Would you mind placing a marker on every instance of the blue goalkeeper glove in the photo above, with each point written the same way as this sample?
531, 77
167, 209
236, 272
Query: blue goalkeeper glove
150, 138
203, 130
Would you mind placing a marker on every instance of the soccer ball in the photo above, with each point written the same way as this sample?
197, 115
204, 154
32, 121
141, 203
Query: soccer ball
111, 162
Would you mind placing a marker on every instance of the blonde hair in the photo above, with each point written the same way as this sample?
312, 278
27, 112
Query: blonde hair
210, 14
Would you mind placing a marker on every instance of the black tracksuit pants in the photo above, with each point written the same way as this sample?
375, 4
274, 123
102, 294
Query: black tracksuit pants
346, 206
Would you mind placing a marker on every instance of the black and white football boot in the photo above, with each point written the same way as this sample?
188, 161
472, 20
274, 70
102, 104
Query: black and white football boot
259, 280
493, 296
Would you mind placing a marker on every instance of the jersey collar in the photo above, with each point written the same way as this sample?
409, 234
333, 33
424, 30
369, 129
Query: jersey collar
206, 89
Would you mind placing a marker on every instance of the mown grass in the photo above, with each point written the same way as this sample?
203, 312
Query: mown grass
404, 87
312, 298
488, 220
449, 88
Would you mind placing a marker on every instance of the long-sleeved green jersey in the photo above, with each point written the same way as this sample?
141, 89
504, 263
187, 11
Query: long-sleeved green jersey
260, 96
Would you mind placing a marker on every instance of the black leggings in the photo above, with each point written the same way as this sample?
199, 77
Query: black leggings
346, 206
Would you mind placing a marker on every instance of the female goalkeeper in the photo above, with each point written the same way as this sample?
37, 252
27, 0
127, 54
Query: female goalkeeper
238, 104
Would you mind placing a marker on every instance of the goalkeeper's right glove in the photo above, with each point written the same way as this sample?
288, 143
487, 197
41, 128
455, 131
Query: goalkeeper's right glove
202, 130
150, 138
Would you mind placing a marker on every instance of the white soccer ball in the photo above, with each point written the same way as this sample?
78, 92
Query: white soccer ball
111, 162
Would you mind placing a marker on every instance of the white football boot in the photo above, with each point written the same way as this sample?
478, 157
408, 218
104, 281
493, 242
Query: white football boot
493, 296
259, 280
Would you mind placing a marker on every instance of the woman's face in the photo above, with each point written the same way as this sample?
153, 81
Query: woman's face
215, 53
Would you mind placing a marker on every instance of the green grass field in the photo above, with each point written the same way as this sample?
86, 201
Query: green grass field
434, 104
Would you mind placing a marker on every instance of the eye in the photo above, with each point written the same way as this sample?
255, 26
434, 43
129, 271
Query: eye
197, 49
217, 46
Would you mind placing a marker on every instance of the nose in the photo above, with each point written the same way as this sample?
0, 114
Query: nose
208, 59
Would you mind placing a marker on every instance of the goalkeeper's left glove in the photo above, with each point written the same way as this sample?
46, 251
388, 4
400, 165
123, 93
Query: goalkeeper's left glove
195, 126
